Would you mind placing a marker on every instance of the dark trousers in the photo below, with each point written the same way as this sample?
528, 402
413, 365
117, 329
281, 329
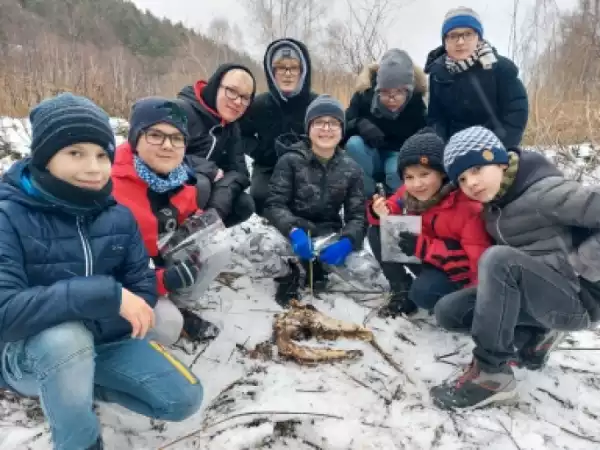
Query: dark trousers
259, 189
517, 295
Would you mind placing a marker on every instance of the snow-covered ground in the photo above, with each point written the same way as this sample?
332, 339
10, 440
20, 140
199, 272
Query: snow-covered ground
364, 404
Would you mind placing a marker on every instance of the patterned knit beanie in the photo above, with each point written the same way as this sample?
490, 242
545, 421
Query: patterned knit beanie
425, 148
472, 147
462, 17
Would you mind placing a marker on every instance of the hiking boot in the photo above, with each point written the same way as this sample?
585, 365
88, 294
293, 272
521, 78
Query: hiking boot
288, 286
196, 329
398, 305
535, 353
476, 389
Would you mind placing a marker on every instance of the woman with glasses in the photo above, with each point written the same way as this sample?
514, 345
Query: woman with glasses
470, 84
277, 112
150, 178
215, 149
386, 109
311, 183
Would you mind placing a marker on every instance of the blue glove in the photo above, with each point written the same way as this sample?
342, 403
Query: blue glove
336, 253
301, 244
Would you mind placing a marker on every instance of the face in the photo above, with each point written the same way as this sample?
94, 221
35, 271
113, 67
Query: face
161, 147
393, 99
422, 182
325, 132
234, 95
84, 165
460, 43
482, 183
287, 74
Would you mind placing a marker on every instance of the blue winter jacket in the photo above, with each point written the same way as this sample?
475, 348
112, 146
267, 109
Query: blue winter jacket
59, 264
494, 98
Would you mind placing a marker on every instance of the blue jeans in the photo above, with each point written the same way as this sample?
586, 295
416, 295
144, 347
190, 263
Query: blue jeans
430, 286
375, 162
63, 367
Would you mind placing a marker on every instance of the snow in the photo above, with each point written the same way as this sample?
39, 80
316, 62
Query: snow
363, 404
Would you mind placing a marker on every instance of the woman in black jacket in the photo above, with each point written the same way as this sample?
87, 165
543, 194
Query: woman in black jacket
387, 108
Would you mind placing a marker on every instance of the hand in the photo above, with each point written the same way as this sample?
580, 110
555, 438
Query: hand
182, 274
379, 206
370, 133
408, 243
137, 312
220, 175
301, 244
336, 253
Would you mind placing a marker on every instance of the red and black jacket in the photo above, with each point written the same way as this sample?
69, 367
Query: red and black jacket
453, 235
155, 213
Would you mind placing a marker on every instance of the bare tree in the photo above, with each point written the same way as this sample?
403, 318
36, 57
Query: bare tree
359, 38
219, 30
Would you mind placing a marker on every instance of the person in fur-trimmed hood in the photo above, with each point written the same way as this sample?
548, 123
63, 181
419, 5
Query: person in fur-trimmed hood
532, 284
470, 84
387, 108
277, 112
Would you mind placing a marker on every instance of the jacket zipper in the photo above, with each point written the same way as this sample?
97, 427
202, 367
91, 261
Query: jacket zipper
214, 141
503, 241
87, 249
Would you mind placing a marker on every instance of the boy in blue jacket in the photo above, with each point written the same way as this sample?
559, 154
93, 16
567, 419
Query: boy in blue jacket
76, 289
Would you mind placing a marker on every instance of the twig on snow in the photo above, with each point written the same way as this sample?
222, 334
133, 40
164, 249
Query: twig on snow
199, 355
389, 359
386, 400
578, 349
245, 414
573, 433
510, 435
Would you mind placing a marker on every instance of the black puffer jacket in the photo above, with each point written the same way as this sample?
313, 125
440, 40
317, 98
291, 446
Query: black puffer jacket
213, 145
306, 194
396, 131
270, 115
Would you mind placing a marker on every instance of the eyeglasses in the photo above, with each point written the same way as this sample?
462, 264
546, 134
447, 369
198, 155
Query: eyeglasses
333, 125
283, 70
232, 94
155, 137
393, 95
467, 36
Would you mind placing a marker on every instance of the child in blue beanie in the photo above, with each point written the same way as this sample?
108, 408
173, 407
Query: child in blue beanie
537, 282
77, 291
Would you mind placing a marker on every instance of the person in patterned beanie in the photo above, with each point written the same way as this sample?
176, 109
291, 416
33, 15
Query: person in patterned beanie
538, 281
452, 237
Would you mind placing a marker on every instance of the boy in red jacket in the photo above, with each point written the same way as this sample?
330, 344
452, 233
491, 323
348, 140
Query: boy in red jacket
453, 235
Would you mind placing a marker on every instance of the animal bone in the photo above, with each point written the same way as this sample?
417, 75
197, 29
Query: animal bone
303, 322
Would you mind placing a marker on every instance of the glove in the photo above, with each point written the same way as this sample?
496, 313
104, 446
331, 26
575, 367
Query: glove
181, 275
408, 243
301, 244
370, 133
336, 253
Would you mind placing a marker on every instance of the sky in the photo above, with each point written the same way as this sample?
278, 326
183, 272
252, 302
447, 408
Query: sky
416, 25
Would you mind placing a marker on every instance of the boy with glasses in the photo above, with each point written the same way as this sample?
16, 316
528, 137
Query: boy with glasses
470, 84
278, 112
215, 150
311, 183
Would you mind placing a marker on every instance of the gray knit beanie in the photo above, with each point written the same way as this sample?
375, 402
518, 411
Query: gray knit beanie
324, 105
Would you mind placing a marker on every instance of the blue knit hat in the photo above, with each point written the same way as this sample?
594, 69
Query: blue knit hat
152, 110
462, 17
324, 105
472, 147
65, 120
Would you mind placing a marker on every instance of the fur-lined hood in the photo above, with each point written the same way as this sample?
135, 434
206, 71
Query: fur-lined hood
366, 79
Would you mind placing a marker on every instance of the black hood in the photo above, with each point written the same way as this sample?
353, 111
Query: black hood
304, 92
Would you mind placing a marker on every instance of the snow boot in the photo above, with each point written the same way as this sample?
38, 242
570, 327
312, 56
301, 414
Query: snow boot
476, 388
535, 353
288, 286
196, 329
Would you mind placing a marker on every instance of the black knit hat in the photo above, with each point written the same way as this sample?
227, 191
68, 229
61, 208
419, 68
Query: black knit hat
424, 148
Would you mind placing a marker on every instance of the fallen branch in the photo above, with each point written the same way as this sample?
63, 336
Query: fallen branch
510, 435
573, 433
389, 359
246, 414
386, 400
578, 349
